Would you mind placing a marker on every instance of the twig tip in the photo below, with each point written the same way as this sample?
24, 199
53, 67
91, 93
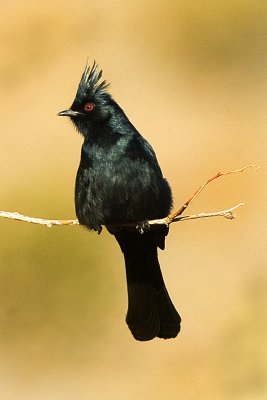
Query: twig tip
253, 166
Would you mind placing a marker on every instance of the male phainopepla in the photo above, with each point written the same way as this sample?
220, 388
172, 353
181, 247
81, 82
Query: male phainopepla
119, 182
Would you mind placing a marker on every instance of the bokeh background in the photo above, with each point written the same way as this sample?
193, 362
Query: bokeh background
191, 76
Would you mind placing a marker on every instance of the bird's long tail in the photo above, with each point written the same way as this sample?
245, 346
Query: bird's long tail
151, 312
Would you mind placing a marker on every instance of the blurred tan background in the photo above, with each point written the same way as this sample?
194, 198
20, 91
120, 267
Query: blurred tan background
192, 78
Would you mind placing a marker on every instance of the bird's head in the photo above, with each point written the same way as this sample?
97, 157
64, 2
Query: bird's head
92, 105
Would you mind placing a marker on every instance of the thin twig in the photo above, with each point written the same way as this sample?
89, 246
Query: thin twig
163, 221
174, 217
191, 198
224, 213
48, 222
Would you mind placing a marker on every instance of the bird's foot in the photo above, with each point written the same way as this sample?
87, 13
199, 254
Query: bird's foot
143, 227
98, 229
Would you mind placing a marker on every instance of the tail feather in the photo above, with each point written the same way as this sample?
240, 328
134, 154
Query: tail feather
151, 312
169, 318
143, 313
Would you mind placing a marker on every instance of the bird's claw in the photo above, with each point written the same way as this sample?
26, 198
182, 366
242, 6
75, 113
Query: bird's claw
98, 229
143, 227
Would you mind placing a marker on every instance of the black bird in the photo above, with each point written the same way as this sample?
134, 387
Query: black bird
119, 182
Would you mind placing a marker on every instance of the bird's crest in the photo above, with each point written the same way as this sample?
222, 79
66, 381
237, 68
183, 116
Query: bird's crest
89, 84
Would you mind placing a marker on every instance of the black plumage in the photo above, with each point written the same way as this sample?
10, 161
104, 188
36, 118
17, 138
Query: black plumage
119, 181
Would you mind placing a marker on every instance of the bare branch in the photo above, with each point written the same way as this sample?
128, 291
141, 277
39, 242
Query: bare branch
225, 213
163, 221
48, 222
173, 217
191, 198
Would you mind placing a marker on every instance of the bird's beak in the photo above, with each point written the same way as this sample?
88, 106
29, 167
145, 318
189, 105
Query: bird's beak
69, 113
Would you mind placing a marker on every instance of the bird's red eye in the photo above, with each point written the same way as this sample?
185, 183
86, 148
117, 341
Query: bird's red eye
89, 106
